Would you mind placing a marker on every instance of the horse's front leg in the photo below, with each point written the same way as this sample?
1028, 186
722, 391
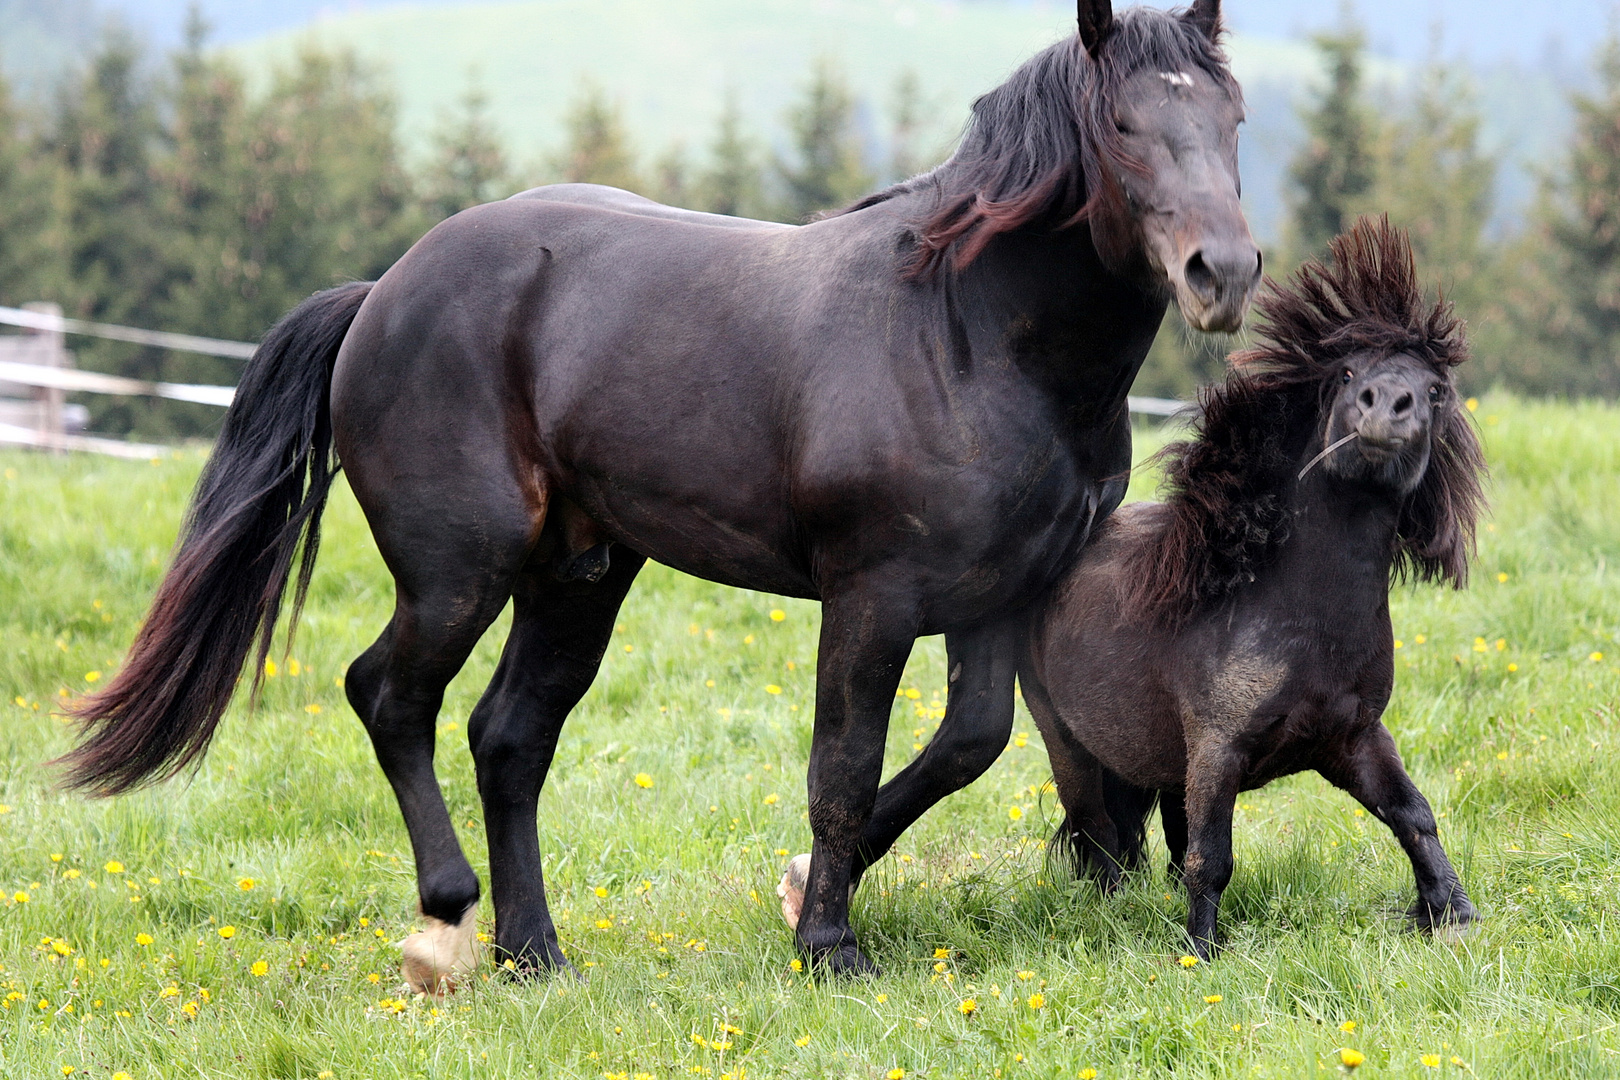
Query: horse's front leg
978, 719
866, 635
1370, 769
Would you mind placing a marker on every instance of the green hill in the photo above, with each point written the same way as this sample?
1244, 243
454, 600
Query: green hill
670, 64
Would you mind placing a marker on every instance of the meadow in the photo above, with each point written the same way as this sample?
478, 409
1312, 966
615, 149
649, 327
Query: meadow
244, 922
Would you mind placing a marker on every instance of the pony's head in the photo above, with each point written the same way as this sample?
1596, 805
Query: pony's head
1351, 375
1130, 127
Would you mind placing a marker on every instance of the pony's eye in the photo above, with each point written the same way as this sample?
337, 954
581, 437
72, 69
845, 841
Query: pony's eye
1434, 394
1347, 376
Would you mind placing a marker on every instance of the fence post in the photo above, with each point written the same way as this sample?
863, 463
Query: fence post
49, 352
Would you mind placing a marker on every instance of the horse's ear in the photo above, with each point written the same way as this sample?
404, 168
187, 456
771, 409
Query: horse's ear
1096, 23
1206, 16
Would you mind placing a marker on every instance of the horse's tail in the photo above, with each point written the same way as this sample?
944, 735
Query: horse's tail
261, 493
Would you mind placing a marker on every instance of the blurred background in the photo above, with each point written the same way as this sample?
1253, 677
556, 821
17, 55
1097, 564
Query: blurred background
202, 167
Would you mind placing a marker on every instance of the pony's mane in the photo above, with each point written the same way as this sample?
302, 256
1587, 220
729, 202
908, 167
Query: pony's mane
1042, 149
1230, 486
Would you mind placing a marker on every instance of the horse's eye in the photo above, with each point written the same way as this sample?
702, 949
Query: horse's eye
1347, 376
1434, 394
1121, 126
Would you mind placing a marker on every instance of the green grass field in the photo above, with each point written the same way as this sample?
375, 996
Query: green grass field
243, 923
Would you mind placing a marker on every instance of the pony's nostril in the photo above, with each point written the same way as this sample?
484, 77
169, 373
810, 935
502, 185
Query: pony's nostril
1259, 268
1402, 403
1367, 398
1200, 278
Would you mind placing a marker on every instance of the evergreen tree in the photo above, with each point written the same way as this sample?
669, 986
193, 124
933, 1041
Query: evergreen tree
469, 164
905, 151
1433, 180
828, 171
30, 268
732, 183
1333, 172
1564, 292
671, 180
597, 150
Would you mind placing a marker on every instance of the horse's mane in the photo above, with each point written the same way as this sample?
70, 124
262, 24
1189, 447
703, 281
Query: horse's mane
1231, 485
1042, 148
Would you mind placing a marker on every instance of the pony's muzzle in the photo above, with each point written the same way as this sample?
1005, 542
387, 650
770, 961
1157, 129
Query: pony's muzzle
1217, 281
1390, 417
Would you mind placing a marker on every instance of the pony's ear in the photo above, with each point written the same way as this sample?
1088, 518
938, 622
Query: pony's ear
1206, 16
1096, 23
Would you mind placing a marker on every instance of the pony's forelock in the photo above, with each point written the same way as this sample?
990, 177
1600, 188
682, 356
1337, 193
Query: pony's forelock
1229, 485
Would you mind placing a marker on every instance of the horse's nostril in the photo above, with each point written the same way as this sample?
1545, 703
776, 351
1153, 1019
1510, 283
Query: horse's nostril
1200, 278
1367, 398
1259, 267
1402, 403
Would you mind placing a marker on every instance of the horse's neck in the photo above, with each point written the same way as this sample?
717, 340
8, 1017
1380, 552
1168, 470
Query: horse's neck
1337, 558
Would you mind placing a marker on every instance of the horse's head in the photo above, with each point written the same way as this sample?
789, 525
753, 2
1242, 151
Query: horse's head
1164, 113
1382, 417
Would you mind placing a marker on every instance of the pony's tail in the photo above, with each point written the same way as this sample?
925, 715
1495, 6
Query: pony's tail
1129, 807
261, 493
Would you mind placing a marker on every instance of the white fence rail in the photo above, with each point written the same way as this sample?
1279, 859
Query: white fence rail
39, 365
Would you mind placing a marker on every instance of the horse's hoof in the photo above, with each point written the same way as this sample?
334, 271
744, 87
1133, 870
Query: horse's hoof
847, 960
791, 889
1453, 923
436, 959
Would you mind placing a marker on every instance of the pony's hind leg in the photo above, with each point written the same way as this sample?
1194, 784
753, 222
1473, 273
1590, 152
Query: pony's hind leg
560, 629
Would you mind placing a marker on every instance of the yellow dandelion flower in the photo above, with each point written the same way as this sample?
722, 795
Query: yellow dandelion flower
643, 780
259, 969
1399, 644
1088, 1074
796, 964
169, 991
68, 1070
939, 967
1037, 1001
1596, 658
600, 891
1212, 999
60, 947
1188, 961
246, 884
373, 978
881, 998
227, 932
1014, 813
942, 954
1430, 1061
772, 799
1479, 644
91, 676
1471, 404
802, 1040
143, 938
114, 867
121, 1076
1348, 1027
604, 924
1501, 578
777, 614
270, 669
189, 1008
772, 688
913, 694
313, 708
968, 1006
896, 1074
1513, 667
1420, 639
19, 897
1351, 1058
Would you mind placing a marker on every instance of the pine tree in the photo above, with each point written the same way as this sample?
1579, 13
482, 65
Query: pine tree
1565, 296
905, 137
469, 164
30, 267
1334, 171
1434, 180
731, 185
828, 171
598, 148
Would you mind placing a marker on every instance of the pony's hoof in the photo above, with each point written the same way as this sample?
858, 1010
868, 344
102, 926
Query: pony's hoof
791, 889
436, 959
1453, 923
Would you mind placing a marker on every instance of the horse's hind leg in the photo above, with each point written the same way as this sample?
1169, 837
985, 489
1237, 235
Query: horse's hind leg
560, 630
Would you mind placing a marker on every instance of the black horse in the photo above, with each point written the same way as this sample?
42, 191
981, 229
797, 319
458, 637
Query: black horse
1240, 631
913, 411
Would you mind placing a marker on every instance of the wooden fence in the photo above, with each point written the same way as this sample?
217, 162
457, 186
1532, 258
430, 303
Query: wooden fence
37, 373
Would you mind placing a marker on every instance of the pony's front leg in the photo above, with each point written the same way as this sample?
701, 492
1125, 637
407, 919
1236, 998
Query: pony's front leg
1370, 769
866, 635
1214, 771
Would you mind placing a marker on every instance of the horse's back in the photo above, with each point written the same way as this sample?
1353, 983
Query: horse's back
628, 202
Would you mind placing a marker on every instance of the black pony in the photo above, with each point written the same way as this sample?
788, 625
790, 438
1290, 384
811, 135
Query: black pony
1240, 631
913, 411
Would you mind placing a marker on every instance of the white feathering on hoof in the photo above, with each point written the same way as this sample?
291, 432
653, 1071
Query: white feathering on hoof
791, 889
433, 960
